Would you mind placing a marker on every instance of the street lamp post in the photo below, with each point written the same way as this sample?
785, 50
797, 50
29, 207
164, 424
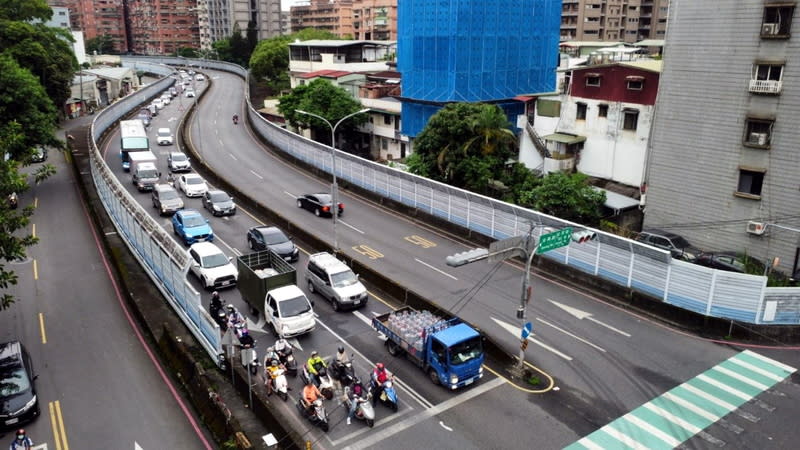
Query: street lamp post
335, 187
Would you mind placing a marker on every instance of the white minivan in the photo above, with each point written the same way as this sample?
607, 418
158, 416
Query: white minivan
289, 312
332, 279
164, 136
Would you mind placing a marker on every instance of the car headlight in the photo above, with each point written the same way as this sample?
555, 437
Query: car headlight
27, 406
453, 378
216, 208
480, 370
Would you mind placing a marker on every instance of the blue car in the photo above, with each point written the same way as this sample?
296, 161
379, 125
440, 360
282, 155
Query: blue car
191, 226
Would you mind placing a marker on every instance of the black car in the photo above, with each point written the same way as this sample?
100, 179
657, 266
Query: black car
319, 204
262, 238
679, 247
18, 401
731, 261
219, 203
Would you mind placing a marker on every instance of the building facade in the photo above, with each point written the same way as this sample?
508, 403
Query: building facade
600, 125
375, 20
98, 18
723, 161
162, 27
474, 51
219, 18
335, 16
613, 20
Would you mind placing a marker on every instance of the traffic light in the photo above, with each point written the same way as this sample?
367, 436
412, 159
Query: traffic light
459, 259
583, 236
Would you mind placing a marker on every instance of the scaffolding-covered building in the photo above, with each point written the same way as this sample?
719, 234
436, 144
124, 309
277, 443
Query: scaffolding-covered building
474, 51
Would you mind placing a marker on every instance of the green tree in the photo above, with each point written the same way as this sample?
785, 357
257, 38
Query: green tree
326, 100
568, 196
187, 52
27, 120
103, 45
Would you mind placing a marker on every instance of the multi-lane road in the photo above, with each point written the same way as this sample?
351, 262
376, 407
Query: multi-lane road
605, 361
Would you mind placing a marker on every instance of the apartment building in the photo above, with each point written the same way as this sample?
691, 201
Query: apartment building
162, 27
613, 20
723, 163
375, 20
98, 18
218, 19
335, 16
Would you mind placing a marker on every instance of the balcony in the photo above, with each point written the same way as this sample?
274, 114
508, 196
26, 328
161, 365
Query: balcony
771, 87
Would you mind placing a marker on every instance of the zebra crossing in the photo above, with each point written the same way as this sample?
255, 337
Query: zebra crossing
677, 415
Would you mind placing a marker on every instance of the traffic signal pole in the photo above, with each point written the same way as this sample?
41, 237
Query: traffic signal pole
523, 303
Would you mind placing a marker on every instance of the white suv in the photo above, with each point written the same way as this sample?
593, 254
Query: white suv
332, 279
212, 267
164, 136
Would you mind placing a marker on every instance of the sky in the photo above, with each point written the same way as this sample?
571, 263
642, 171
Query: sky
286, 4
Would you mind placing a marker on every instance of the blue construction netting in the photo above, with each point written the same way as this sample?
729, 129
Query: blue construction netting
474, 51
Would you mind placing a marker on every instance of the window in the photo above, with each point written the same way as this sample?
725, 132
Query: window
384, 144
581, 113
750, 182
602, 110
593, 80
766, 78
630, 119
635, 85
777, 21
768, 72
758, 132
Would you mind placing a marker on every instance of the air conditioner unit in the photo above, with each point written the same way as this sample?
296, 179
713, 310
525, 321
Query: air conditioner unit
769, 29
758, 138
757, 228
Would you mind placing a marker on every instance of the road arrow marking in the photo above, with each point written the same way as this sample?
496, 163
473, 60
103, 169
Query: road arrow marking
580, 315
514, 330
570, 334
256, 327
136, 446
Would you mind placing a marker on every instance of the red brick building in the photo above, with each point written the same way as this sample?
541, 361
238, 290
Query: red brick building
161, 27
98, 18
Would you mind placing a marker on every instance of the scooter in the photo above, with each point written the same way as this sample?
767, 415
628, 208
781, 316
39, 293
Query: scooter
325, 384
344, 373
13, 200
364, 410
388, 395
287, 359
279, 383
316, 415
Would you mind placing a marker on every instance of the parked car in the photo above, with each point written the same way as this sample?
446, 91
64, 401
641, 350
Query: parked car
19, 403
191, 226
333, 280
219, 203
178, 162
262, 238
730, 261
320, 204
679, 247
166, 199
164, 136
192, 185
212, 267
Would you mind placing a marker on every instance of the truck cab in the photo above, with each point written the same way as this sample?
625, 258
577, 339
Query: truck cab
288, 311
456, 356
145, 176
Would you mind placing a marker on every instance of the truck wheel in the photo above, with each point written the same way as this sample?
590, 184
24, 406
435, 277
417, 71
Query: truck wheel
274, 330
432, 375
336, 306
393, 349
311, 287
204, 283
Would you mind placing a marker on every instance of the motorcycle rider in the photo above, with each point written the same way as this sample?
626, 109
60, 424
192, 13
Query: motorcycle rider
235, 119
271, 374
313, 362
216, 302
355, 395
270, 356
234, 316
339, 362
21, 441
310, 395
281, 345
379, 376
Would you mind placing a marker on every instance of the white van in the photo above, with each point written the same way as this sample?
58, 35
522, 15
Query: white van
289, 312
164, 136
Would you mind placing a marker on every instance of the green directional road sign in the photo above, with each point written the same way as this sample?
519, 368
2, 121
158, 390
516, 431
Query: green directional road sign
554, 240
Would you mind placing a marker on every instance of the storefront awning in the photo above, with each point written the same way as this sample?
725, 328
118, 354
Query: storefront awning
564, 138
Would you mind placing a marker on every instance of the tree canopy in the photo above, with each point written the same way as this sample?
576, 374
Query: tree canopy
102, 44
326, 100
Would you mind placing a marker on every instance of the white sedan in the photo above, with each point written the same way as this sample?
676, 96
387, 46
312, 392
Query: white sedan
192, 185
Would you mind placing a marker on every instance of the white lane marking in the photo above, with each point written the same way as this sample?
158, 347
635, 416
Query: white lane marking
719, 402
363, 318
708, 415
445, 426
290, 194
434, 268
232, 157
412, 393
725, 387
378, 423
385, 433
789, 369
570, 334
580, 315
259, 176
757, 370
624, 439
235, 251
517, 332
350, 226
671, 441
741, 378
673, 418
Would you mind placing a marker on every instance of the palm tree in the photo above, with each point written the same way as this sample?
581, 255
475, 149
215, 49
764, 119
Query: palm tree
491, 132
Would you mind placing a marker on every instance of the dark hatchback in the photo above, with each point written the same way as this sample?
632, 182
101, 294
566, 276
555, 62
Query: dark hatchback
320, 204
262, 238
18, 401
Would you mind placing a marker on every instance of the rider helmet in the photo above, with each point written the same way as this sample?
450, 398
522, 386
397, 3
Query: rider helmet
341, 349
230, 308
215, 295
21, 434
314, 353
379, 366
274, 363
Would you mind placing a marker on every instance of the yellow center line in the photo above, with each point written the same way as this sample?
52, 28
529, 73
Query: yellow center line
35, 202
63, 433
53, 425
41, 328
35, 270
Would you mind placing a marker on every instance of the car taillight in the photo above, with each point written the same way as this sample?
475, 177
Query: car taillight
325, 208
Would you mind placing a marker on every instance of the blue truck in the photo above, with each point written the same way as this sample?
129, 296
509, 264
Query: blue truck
448, 350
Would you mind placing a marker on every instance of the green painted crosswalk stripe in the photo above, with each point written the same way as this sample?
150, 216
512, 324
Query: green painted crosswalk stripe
687, 409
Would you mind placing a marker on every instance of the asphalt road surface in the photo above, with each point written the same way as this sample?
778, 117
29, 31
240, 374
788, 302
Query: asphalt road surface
605, 361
